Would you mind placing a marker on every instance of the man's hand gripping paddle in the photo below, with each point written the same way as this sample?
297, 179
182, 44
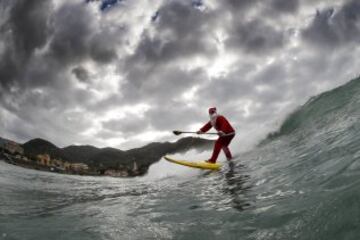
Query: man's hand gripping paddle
176, 132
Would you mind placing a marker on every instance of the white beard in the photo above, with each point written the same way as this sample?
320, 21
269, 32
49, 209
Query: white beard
213, 118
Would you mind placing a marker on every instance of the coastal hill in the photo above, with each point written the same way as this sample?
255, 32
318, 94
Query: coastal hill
38, 146
102, 159
3, 141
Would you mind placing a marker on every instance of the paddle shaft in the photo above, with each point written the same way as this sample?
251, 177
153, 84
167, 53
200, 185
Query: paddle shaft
201, 133
176, 132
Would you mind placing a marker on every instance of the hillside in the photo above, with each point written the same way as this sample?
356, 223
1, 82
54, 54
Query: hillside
40, 146
112, 158
2, 142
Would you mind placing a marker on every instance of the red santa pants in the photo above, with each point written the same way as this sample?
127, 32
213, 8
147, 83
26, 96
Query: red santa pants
222, 143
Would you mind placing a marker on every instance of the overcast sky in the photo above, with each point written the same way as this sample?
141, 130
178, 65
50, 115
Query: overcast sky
125, 73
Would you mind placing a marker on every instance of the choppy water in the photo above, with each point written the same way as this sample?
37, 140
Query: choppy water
301, 183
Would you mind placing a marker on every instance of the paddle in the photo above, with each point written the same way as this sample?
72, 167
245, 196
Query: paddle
180, 132
176, 132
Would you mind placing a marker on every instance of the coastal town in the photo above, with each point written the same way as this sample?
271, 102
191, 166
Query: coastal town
40, 154
13, 153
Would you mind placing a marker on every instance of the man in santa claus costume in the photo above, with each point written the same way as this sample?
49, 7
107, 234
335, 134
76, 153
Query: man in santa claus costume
225, 131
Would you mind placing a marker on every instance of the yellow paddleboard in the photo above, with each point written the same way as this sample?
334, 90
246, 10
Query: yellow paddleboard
201, 165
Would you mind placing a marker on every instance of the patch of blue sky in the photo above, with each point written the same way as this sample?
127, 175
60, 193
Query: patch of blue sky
105, 4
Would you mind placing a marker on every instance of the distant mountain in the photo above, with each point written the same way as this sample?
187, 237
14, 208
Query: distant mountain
112, 158
40, 146
2, 142
80, 153
109, 158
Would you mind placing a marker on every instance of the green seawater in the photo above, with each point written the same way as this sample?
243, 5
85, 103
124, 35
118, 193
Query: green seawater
302, 182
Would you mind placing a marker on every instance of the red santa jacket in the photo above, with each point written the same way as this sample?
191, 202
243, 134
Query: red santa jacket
221, 124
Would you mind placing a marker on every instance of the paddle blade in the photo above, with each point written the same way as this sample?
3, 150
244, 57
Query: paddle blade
177, 132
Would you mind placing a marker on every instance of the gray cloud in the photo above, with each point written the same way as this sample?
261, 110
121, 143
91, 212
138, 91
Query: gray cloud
286, 6
173, 115
73, 26
102, 46
180, 31
258, 92
255, 37
274, 74
71, 34
131, 124
25, 30
235, 85
239, 5
81, 74
29, 25
77, 36
159, 84
106, 104
37, 80
332, 28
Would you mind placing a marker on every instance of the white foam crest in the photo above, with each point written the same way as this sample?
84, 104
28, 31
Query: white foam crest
245, 140
164, 169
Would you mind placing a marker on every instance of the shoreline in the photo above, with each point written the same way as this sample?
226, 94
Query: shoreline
12, 160
39, 154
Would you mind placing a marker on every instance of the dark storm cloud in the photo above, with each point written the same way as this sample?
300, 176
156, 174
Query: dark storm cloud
39, 90
73, 26
331, 27
239, 5
240, 8
28, 23
185, 23
255, 37
81, 74
320, 30
180, 31
41, 72
71, 35
25, 30
286, 6
102, 46
77, 37
253, 31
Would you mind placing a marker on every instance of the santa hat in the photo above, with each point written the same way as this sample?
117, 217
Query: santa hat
212, 110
